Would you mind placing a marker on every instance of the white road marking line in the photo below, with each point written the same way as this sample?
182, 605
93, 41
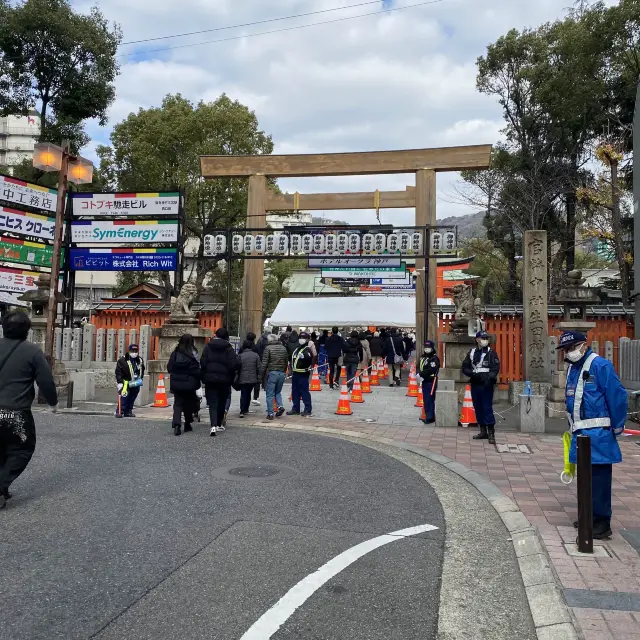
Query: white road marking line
275, 617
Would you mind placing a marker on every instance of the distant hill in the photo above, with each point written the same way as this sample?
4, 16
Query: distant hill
469, 226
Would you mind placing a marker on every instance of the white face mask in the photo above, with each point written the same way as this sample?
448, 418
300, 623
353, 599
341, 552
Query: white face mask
483, 343
133, 354
575, 354
302, 341
428, 350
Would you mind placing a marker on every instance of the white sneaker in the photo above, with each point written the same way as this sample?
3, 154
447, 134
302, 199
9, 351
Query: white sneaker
213, 431
256, 402
220, 429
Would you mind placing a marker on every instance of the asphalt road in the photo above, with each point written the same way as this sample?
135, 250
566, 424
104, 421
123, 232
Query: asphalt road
120, 530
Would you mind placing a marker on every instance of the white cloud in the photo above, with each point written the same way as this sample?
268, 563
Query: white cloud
403, 79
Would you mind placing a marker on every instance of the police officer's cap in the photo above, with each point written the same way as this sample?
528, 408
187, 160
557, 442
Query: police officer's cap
482, 334
133, 347
569, 338
429, 343
304, 335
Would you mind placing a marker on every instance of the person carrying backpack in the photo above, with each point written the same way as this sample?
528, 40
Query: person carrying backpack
301, 364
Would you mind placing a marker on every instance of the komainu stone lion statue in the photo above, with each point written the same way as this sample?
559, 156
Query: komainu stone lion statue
181, 307
467, 310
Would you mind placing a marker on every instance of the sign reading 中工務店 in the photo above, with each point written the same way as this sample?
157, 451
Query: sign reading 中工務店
115, 231
126, 204
23, 252
124, 259
26, 224
27, 194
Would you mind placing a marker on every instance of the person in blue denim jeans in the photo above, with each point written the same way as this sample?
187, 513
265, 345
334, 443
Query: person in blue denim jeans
275, 360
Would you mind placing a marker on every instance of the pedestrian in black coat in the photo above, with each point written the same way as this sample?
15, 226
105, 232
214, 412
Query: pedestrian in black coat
394, 350
184, 382
219, 364
259, 349
334, 346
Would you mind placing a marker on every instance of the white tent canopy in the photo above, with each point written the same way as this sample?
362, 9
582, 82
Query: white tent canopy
352, 311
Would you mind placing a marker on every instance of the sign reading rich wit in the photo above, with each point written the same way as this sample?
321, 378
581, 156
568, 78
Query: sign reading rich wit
26, 224
124, 259
27, 194
23, 252
126, 231
126, 204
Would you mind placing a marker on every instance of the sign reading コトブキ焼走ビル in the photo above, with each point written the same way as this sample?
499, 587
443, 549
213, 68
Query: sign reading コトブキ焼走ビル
128, 231
126, 204
23, 252
27, 194
123, 259
26, 224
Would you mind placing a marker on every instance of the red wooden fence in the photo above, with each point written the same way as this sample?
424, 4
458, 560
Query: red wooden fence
508, 332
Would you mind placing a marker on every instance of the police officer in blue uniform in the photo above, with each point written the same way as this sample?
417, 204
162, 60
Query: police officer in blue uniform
428, 370
482, 367
596, 407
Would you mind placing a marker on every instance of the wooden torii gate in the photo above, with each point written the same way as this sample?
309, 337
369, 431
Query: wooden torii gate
425, 163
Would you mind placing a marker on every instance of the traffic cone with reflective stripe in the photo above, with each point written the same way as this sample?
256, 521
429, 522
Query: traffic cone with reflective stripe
366, 385
343, 374
386, 369
356, 392
423, 415
381, 374
315, 380
468, 413
161, 394
344, 406
374, 375
326, 377
420, 399
412, 389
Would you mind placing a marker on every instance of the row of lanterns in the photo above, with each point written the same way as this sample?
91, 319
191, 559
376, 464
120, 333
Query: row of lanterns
342, 243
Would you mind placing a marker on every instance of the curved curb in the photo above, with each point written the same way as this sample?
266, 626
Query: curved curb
551, 616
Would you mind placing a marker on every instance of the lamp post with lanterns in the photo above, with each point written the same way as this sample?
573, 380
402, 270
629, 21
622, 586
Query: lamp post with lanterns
71, 168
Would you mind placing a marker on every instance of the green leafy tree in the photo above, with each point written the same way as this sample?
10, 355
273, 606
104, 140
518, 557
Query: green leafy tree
160, 148
60, 61
275, 287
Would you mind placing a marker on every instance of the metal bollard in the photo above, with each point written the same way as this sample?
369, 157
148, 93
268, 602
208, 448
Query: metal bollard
70, 394
585, 498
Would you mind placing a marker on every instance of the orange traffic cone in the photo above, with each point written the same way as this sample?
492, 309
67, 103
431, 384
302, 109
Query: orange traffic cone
275, 405
315, 380
412, 390
326, 377
381, 375
468, 414
423, 415
344, 406
366, 385
356, 392
420, 400
386, 370
161, 394
374, 375
343, 374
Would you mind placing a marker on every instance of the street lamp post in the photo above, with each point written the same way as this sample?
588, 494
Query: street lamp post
50, 157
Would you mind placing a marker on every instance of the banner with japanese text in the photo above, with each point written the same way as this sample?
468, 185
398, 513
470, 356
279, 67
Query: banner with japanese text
27, 194
114, 231
17, 280
26, 224
126, 204
24, 252
124, 259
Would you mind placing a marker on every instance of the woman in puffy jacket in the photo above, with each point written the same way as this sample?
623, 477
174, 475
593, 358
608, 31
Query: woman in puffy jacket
366, 351
184, 380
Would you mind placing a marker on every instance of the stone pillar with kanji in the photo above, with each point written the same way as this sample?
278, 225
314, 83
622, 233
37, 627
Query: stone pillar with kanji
536, 316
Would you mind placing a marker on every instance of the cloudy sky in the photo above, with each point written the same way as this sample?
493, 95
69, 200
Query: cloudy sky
393, 79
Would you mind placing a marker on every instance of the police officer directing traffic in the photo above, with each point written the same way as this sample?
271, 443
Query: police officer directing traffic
429, 369
596, 407
482, 367
301, 365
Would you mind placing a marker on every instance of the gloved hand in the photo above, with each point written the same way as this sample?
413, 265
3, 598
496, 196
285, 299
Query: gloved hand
54, 408
120, 386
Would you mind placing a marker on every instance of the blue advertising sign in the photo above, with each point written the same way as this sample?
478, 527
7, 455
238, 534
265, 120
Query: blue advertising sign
124, 259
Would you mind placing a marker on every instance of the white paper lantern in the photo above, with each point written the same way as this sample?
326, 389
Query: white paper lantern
368, 242
248, 243
270, 245
307, 243
237, 244
450, 241
436, 241
259, 243
330, 242
207, 249
282, 244
392, 242
318, 243
416, 241
354, 242
296, 243
380, 243
343, 239
405, 243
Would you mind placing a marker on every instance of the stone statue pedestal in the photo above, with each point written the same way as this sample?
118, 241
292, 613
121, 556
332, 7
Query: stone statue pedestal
455, 347
169, 334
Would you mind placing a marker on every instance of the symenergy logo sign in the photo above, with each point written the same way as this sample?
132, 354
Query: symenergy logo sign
128, 231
